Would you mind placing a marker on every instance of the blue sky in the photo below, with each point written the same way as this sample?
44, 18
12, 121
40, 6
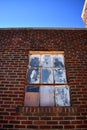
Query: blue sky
41, 13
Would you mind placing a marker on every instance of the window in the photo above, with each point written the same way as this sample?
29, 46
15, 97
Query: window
46, 80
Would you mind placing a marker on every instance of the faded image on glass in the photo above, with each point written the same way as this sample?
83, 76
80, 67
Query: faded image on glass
46, 96
34, 60
59, 76
34, 75
62, 96
46, 61
47, 75
58, 61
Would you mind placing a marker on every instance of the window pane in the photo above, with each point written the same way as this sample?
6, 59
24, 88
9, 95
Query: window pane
47, 75
34, 60
62, 96
32, 89
59, 75
34, 75
46, 61
58, 61
46, 96
32, 96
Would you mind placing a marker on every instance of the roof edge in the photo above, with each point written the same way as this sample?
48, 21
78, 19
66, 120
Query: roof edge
42, 28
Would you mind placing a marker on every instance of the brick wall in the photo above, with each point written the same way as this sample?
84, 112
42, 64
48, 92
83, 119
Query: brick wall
14, 47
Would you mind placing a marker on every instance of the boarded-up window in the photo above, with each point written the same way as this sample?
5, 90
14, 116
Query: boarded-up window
46, 80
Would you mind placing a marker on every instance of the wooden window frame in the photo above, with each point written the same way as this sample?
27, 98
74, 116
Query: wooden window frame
45, 84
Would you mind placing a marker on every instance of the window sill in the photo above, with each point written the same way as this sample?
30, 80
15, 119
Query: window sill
48, 111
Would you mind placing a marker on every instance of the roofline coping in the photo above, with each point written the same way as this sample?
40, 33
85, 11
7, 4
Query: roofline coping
42, 28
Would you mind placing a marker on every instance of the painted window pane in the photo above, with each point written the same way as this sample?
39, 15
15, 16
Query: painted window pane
58, 61
59, 76
62, 96
32, 89
34, 75
46, 96
32, 96
47, 75
34, 60
46, 61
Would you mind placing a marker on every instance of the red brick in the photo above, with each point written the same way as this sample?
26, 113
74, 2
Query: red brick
69, 126
57, 118
8, 126
2, 109
20, 126
21, 118
64, 122
39, 122
52, 122
33, 118
3, 121
26, 122
57, 127
81, 126
14, 122
76, 122
45, 127
45, 118
32, 126
9, 117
